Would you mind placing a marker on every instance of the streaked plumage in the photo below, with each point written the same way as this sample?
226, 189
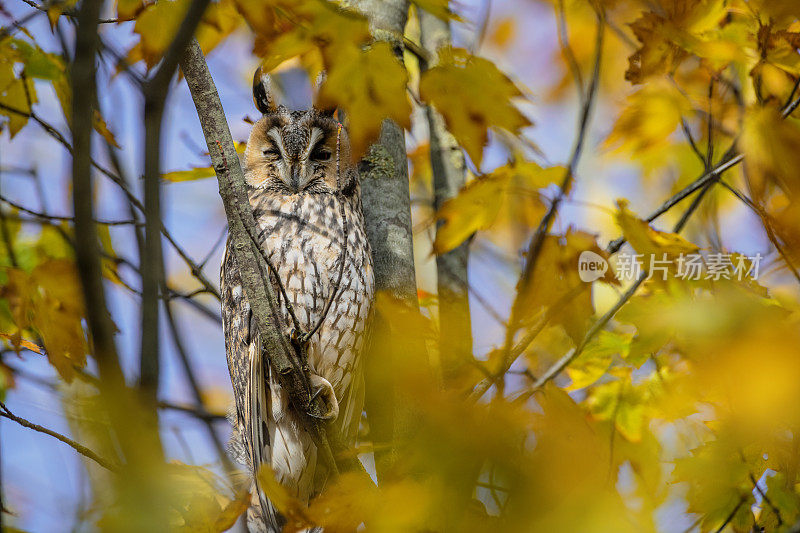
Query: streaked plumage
298, 198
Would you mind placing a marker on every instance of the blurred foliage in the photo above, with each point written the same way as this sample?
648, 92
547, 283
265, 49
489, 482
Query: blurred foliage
689, 392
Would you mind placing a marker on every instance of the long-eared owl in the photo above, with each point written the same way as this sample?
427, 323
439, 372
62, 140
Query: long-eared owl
304, 192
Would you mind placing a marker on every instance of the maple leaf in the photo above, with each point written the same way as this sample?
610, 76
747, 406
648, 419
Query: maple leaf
50, 301
621, 404
158, 23
438, 8
649, 117
477, 205
370, 86
595, 359
129, 9
472, 95
54, 11
367, 82
556, 284
648, 241
719, 484
298, 27
771, 147
16, 93
668, 37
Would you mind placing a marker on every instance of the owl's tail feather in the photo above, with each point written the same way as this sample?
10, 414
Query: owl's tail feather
258, 442
257, 522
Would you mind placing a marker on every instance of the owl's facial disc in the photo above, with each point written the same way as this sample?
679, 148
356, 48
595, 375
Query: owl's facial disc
300, 159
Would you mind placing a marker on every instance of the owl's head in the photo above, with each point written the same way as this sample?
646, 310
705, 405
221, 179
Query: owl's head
297, 152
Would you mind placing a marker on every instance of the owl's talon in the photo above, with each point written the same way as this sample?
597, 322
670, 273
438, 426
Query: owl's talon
321, 387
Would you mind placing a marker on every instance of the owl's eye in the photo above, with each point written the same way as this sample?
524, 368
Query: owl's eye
270, 152
321, 154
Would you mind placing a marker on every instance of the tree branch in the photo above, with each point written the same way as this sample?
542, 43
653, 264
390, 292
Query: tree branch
387, 214
81, 449
537, 241
565, 361
196, 271
155, 94
449, 176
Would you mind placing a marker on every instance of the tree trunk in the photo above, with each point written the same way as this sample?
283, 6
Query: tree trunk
449, 176
387, 211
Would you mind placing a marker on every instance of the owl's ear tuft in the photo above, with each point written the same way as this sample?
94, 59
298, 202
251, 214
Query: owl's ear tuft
262, 92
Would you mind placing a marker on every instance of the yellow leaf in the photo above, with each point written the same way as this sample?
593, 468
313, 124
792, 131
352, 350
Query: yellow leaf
595, 359
55, 10
231, 512
290, 507
38, 63
17, 342
437, 8
158, 23
49, 300
771, 147
58, 311
667, 36
472, 95
570, 490
649, 117
197, 173
420, 161
15, 93
648, 241
718, 481
478, 204
370, 86
621, 404
101, 127
257, 15
128, 9
557, 287
296, 27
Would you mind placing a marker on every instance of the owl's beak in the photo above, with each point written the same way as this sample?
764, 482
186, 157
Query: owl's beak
295, 176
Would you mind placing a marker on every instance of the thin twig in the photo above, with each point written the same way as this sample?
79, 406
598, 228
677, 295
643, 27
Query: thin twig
195, 411
15, 25
195, 387
566, 48
727, 162
47, 217
80, 448
766, 499
518, 349
689, 137
730, 516
196, 271
45, 7
767, 222
565, 361
482, 29
151, 266
537, 241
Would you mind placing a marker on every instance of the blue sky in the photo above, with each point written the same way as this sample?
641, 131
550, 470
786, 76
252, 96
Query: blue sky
43, 480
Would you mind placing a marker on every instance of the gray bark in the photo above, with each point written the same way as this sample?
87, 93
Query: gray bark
387, 213
449, 177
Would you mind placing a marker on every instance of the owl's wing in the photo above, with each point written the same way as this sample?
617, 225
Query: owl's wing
248, 370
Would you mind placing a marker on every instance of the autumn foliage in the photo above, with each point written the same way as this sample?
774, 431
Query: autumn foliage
659, 395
